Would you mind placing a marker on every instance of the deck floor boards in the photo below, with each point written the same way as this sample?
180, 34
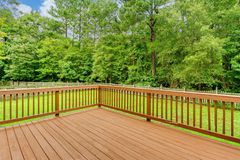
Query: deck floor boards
100, 134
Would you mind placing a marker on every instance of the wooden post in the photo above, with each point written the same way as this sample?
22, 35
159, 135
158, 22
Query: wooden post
57, 103
99, 97
148, 106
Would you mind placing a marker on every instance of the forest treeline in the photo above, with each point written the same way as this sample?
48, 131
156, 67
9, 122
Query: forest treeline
175, 43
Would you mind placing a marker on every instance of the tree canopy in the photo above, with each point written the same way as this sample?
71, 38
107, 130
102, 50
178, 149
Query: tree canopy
182, 43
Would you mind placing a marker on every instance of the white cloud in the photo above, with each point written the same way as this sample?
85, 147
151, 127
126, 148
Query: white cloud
45, 8
24, 9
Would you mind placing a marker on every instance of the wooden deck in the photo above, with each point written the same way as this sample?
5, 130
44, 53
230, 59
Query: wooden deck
102, 134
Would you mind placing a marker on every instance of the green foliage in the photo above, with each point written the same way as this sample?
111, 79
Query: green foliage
193, 44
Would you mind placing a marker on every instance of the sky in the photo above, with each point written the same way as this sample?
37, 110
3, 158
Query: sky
27, 6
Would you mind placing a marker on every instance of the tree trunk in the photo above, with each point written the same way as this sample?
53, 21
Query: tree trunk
152, 39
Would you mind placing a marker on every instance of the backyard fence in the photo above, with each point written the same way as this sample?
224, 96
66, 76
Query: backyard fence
211, 114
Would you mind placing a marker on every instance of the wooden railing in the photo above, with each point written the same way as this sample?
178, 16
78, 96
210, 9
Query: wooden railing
23, 104
212, 114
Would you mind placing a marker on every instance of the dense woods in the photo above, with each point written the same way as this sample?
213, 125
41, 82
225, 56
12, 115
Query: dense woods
175, 43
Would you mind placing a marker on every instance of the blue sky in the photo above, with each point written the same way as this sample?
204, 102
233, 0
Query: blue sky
43, 6
34, 4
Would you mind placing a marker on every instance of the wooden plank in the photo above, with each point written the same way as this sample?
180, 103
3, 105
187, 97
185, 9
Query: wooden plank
62, 153
4, 150
93, 148
16, 153
78, 146
63, 142
122, 150
214, 146
50, 152
23, 143
98, 143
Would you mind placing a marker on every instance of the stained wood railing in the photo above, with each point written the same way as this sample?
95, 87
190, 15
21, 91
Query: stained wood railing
212, 114
23, 104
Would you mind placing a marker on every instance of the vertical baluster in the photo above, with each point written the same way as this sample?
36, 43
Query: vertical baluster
48, 102
161, 106
215, 116
16, 105
90, 96
72, 100
130, 100
57, 103
79, 97
200, 103
144, 106
33, 96
86, 100
148, 105
194, 112
157, 109
153, 96
10, 106
209, 115
232, 119
127, 100
137, 109
122, 100
4, 107
176, 109
120, 97
117, 100
83, 96
140, 102
43, 101
171, 108
65, 99
182, 110
166, 107
62, 100
23, 109
76, 99
52, 101
28, 104
38, 103
224, 118
69, 99
188, 111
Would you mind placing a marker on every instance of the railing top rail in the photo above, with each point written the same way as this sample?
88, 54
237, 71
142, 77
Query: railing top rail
52, 89
199, 95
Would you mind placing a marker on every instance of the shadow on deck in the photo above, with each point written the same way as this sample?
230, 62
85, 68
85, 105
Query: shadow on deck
103, 134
